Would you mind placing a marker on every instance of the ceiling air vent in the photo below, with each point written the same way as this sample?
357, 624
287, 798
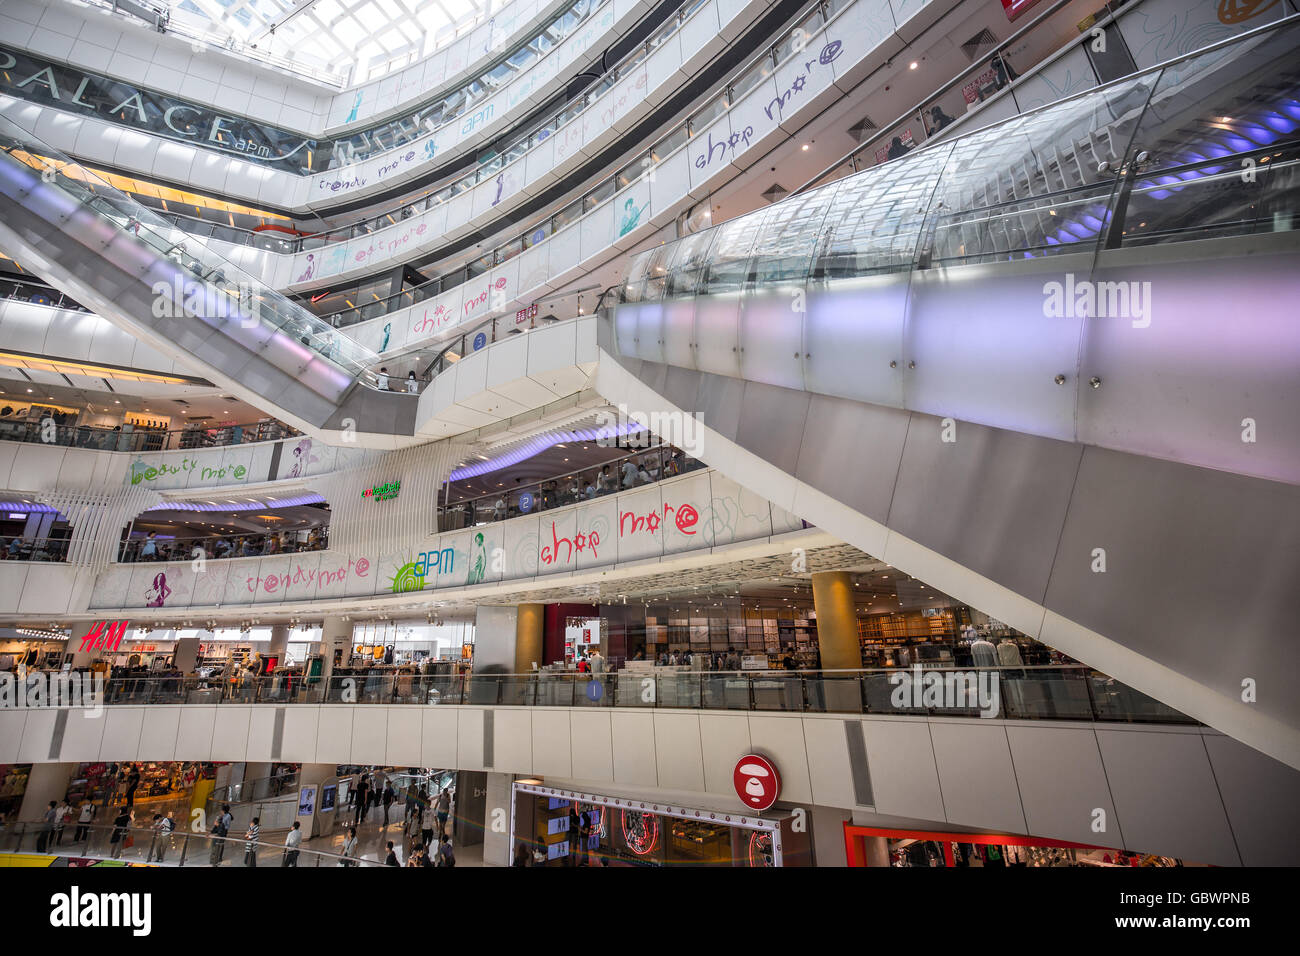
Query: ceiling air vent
863, 126
977, 44
775, 192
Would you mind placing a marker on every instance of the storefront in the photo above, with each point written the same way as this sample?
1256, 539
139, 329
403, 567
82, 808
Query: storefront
624, 831
874, 846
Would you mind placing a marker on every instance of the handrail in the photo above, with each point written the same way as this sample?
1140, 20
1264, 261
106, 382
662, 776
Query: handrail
974, 68
141, 439
1023, 691
177, 848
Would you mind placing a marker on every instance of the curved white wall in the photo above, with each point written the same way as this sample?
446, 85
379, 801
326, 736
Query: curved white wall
1185, 792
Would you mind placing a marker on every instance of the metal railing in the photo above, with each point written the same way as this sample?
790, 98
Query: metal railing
648, 467
137, 844
254, 545
139, 439
19, 548
1055, 692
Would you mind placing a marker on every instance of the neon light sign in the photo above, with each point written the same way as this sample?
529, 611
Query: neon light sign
383, 492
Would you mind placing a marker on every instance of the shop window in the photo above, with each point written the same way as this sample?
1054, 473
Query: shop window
598, 195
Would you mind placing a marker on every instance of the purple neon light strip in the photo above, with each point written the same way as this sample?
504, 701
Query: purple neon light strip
307, 499
535, 446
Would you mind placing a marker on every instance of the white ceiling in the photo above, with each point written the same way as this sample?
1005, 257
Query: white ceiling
361, 36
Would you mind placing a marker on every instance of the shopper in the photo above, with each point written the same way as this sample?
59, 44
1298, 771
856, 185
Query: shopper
121, 837
412, 385
47, 827
132, 782
383, 380
292, 840
391, 859
522, 856
350, 848
446, 856
584, 837
84, 819
220, 830
250, 841
61, 814
390, 797
444, 810
597, 663
162, 831
575, 835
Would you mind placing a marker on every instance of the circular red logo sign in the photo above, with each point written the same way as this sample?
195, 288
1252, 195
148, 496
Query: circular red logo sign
756, 781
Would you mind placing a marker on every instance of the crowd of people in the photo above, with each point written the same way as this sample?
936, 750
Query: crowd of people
633, 472
150, 548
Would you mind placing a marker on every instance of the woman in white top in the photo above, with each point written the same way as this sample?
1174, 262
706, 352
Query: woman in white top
350, 848
412, 385
383, 379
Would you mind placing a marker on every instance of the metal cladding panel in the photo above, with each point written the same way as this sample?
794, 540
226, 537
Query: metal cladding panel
1200, 364
852, 334
986, 352
772, 423
772, 333
1201, 570
993, 501
718, 401
1260, 795
1165, 795
860, 473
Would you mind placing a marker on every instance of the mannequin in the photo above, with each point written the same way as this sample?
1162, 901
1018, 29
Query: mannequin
983, 651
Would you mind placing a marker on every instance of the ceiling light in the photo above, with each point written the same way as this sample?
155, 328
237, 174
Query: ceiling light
913, 65
805, 147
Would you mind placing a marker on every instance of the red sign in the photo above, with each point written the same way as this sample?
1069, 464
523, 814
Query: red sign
1016, 7
756, 781
523, 315
104, 636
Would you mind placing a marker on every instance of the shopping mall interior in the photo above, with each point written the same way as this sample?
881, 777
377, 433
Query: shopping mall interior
694, 434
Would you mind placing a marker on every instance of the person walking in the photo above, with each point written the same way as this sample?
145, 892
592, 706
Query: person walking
250, 841
132, 782
391, 859
575, 836
446, 855
61, 814
389, 796
291, 843
522, 856
121, 827
584, 837
363, 799
84, 818
220, 830
47, 828
162, 830
444, 810
350, 848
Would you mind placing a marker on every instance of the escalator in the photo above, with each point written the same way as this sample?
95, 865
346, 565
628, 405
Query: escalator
1050, 367
172, 292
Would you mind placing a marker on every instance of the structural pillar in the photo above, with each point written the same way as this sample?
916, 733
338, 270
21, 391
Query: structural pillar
837, 621
530, 626
46, 782
335, 634
279, 642
186, 656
